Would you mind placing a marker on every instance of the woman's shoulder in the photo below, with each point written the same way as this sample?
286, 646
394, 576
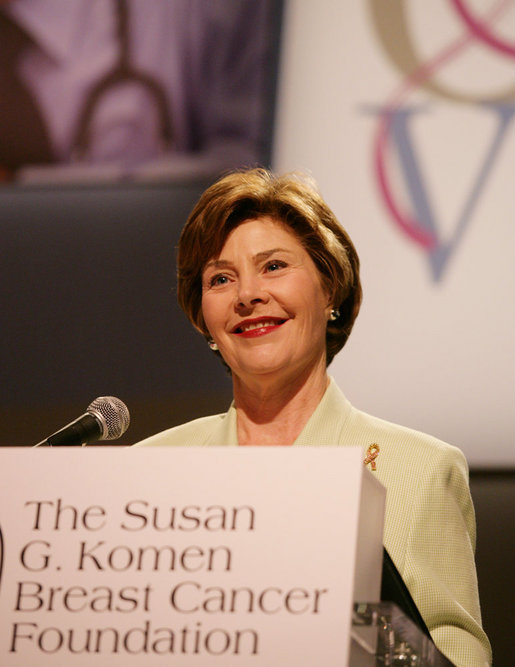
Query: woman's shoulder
404, 447
337, 422
190, 434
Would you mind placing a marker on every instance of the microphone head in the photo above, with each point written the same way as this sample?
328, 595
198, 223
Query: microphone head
113, 415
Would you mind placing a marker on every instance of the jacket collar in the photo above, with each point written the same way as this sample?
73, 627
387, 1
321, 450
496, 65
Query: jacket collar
324, 427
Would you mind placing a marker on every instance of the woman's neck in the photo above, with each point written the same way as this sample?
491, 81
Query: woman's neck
274, 412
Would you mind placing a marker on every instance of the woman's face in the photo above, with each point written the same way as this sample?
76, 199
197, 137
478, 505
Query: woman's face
263, 302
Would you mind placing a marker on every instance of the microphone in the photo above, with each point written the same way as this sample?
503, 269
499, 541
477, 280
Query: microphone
106, 418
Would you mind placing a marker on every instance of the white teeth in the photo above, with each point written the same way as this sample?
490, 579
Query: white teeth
258, 325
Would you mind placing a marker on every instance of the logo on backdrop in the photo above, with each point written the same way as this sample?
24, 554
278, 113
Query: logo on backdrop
405, 194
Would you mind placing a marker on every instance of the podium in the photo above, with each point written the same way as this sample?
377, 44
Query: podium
185, 556
383, 635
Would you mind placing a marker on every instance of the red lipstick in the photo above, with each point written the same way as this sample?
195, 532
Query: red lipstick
253, 328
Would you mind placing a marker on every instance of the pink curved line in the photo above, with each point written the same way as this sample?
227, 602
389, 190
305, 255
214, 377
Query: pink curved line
409, 224
411, 227
480, 30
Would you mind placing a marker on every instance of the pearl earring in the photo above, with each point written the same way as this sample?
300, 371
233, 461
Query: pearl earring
212, 345
335, 314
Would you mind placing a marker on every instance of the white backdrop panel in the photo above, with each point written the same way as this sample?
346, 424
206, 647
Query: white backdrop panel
434, 345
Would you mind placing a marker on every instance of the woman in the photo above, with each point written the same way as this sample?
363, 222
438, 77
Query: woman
270, 278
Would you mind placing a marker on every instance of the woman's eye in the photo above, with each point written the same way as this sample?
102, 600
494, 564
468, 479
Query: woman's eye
218, 280
274, 265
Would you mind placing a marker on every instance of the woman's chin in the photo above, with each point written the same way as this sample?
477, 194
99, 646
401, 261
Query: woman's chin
277, 369
263, 367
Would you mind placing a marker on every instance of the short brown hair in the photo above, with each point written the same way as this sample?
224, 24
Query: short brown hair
291, 199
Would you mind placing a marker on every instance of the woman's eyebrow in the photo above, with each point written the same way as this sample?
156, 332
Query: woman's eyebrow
265, 254
258, 257
217, 264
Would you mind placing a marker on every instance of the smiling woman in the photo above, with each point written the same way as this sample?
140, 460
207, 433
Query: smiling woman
270, 278
291, 202
267, 309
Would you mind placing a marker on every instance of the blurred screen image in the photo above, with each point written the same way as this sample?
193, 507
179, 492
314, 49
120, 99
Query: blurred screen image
111, 89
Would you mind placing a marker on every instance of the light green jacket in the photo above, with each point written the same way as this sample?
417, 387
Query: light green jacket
429, 523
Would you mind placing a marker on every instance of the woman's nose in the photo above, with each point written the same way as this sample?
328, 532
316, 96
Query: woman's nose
250, 292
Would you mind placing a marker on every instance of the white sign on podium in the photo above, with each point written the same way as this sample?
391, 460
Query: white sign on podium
185, 556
